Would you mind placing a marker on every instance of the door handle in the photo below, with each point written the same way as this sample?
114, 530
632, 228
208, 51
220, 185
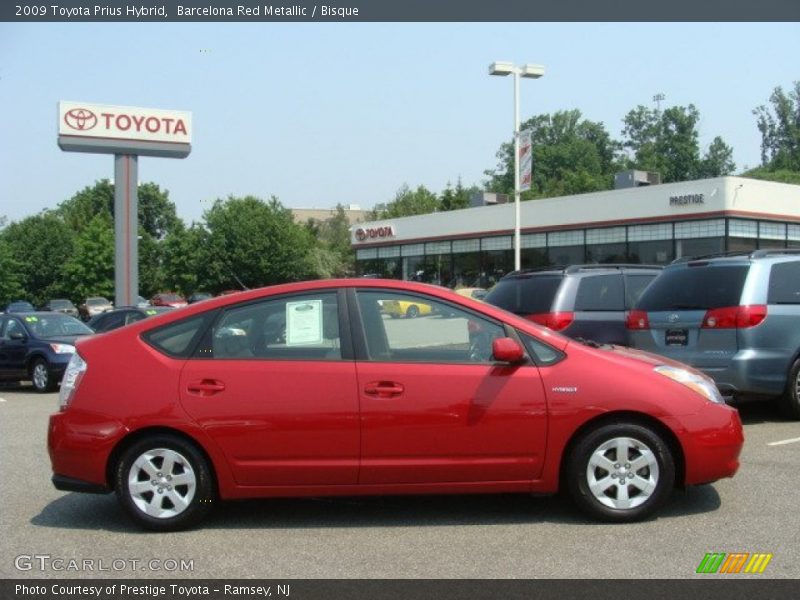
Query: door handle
384, 389
205, 387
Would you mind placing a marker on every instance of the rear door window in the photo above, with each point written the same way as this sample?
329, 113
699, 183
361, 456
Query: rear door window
600, 292
525, 295
784, 283
701, 287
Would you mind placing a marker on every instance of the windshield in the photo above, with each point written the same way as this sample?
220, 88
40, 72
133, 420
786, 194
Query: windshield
695, 288
525, 295
96, 301
60, 303
20, 307
55, 325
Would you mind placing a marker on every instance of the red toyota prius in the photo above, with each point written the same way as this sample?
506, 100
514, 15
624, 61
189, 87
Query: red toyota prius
310, 389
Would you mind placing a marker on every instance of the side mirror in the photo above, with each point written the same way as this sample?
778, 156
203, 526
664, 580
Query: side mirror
18, 336
507, 350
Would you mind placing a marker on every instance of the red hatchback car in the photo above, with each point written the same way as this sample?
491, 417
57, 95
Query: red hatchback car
309, 389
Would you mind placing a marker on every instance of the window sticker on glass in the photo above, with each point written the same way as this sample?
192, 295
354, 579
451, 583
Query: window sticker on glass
304, 322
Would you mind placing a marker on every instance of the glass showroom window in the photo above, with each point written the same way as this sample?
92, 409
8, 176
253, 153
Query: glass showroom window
742, 235
651, 244
771, 235
497, 259
699, 238
533, 250
466, 263
566, 247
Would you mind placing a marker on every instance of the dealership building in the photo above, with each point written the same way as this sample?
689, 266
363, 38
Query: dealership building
636, 223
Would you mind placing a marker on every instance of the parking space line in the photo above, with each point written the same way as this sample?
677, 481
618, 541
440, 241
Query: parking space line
782, 442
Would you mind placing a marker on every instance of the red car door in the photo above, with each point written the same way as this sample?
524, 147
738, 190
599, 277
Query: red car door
278, 392
436, 408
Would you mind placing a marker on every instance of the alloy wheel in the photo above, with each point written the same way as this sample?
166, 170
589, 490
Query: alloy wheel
622, 473
162, 483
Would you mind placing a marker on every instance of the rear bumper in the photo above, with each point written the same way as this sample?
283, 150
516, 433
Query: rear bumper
752, 372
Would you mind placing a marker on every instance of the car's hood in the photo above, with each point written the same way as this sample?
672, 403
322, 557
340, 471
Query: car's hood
641, 356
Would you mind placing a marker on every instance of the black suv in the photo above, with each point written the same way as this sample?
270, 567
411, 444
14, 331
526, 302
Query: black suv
581, 301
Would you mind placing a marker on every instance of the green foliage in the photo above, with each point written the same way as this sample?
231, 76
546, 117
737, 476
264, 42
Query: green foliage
571, 155
156, 211
667, 142
256, 241
151, 272
10, 282
90, 269
408, 202
333, 256
39, 245
780, 130
780, 175
456, 198
184, 259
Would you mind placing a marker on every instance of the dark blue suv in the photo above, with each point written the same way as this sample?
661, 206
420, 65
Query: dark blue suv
37, 346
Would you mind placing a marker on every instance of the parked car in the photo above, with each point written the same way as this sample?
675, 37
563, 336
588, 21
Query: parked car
403, 308
477, 293
170, 299
580, 301
123, 316
736, 318
142, 302
19, 306
37, 346
221, 400
61, 305
94, 306
198, 296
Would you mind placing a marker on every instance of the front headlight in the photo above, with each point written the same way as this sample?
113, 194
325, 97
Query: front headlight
698, 383
63, 348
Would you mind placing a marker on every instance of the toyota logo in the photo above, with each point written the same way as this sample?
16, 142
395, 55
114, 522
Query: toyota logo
673, 318
361, 235
81, 119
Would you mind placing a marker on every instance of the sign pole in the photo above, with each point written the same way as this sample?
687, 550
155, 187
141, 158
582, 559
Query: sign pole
126, 230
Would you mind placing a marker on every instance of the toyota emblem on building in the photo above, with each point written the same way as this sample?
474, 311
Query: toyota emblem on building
383, 231
361, 235
81, 119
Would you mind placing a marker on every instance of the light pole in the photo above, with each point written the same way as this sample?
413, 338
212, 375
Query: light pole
531, 72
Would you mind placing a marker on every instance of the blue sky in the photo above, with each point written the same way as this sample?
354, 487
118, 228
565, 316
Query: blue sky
323, 113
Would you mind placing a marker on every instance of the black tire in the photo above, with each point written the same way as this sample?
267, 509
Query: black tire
412, 312
199, 498
790, 401
640, 443
41, 376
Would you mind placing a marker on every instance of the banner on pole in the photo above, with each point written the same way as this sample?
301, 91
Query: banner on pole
525, 160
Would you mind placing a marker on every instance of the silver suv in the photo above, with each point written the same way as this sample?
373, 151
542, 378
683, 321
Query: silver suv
734, 317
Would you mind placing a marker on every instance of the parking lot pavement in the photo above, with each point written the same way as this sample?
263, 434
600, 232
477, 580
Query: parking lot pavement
505, 536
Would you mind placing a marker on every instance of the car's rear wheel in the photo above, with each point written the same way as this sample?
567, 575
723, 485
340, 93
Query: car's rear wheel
620, 472
41, 377
412, 312
790, 401
164, 483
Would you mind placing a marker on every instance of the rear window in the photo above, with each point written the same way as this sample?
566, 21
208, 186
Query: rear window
695, 288
525, 295
784, 283
176, 339
600, 292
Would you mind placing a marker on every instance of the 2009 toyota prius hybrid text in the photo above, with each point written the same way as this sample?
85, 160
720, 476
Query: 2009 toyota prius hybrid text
312, 389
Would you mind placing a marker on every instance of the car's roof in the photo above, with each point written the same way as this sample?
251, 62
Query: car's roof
588, 269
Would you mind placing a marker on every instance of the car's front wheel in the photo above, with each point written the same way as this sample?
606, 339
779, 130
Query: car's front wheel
41, 377
620, 472
164, 483
412, 312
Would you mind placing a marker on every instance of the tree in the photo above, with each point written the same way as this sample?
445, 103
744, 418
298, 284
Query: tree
779, 175
184, 260
39, 246
408, 202
255, 241
156, 211
90, 269
10, 280
667, 142
333, 256
780, 130
571, 155
151, 272
456, 198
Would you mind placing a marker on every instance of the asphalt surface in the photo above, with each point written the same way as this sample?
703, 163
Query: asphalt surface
503, 536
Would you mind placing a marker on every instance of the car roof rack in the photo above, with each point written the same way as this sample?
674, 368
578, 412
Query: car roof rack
619, 266
733, 253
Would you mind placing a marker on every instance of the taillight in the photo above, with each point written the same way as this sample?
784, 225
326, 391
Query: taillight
72, 379
637, 319
554, 320
735, 317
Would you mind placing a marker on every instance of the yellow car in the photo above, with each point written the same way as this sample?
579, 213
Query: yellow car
475, 293
405, 308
